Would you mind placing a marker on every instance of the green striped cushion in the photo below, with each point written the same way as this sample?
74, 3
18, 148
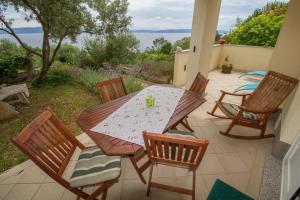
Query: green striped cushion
181, 133
234, 109
93, 166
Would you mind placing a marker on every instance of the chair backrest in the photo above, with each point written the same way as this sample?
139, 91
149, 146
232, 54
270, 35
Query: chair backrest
271, 92
111, 89
199, 84
180, 151
48, 143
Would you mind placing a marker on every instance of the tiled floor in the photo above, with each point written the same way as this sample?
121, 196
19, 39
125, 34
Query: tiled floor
238, 162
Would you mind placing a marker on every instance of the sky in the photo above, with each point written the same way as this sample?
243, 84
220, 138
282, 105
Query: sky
174, 14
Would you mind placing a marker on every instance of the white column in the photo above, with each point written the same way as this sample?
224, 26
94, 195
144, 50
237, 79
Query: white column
286, 60
205, 21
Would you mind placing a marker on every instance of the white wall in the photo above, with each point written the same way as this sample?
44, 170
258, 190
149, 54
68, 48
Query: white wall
243, 58
246, 58
180, 65
286, 60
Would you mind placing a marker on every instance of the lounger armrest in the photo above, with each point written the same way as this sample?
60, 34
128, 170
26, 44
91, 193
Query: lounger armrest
234, 94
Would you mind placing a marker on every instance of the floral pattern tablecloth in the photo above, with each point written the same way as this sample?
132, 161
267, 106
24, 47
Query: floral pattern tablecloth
132, 118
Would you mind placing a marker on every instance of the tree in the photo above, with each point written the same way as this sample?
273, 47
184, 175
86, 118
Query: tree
218, 36
64, 19
122, 48
261, 28
184, 43
160, 45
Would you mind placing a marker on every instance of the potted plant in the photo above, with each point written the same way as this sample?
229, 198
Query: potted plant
227, 66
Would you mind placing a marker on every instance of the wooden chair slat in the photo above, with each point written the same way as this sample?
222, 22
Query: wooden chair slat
187, 153
160, 149
50, 145
153, 148
52, 166
180, 151
111, 89
166, 149
44, 149
57, 134
47, 132
194, 153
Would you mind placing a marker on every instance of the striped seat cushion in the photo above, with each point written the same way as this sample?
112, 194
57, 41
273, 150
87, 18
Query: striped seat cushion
93, 166
181, 134
234, 109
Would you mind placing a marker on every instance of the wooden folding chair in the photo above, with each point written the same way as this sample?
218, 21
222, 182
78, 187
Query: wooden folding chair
111, 89
198, 86
176, 148
256, 107
51, 145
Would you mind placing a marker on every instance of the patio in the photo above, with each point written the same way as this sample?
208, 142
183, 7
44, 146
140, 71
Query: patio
237, 162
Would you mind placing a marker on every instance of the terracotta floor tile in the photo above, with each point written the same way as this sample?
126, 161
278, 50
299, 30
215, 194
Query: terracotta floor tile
210, 179
211, 165
4, 190
232, 162
50, 191
240, 180
22, 192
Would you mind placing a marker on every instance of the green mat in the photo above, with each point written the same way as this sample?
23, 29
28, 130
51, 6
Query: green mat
223, 191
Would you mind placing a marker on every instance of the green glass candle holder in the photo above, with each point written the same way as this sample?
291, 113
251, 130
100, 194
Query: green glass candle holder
150, 101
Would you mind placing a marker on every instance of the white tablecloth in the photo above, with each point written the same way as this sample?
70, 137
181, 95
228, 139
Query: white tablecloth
132, 118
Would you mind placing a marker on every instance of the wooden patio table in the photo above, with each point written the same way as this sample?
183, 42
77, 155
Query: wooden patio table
115, 146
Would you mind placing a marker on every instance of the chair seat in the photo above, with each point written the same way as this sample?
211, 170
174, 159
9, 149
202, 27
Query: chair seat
233, 110
185, 134
93, 166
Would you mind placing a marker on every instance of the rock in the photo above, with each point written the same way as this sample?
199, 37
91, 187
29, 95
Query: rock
7, 111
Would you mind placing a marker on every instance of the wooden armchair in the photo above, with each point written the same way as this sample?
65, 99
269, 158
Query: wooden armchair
50, 145
256, 107
176, 148
198, 86
111, 89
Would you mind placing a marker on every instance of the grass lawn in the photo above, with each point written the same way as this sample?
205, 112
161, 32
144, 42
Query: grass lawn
66, 100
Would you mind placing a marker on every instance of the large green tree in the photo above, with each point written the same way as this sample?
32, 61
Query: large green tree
261, 28
61, 19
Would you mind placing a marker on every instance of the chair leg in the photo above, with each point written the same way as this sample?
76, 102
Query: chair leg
194, 185
78, 197
104, 195
141, 169
186, 124
229, 128
263, 130
149, 181
102, 189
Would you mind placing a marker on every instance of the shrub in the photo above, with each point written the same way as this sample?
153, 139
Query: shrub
156, 56
11, 65
184, 43
56, 76
85, 60
88, 79
68, 54
157, 71
93, 54
121, 48
9, 48
133, 84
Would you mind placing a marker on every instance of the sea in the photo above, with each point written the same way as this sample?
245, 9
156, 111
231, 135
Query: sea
35, 39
